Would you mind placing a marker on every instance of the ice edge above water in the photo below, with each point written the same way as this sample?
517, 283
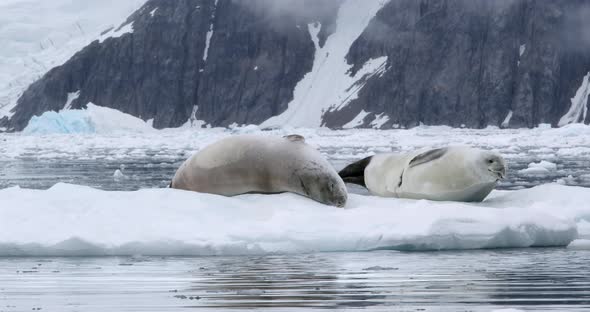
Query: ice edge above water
72, 220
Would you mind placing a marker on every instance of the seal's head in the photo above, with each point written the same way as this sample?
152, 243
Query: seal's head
494, 164
324, 186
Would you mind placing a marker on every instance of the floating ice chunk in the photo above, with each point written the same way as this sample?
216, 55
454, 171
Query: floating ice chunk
69, 121
246, 129
77, 220
580, 244
542, 167
153, 12
118, 175
93, 119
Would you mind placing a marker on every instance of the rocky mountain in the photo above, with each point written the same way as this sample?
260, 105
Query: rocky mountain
335, 63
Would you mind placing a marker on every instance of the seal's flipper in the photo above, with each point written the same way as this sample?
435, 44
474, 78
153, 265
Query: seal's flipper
295, 138
355, 172
427, 157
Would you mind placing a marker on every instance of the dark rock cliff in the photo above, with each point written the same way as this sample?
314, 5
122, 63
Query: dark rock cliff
256, 55
458, 62
452, 62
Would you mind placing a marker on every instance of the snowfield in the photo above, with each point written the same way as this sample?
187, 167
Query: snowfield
71, 220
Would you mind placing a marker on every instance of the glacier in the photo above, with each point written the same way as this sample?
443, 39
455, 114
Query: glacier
73, 220
38, 35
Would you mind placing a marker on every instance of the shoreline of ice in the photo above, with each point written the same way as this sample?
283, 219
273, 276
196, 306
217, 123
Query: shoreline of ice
73, 220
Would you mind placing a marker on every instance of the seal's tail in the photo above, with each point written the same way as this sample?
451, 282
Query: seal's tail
355, 172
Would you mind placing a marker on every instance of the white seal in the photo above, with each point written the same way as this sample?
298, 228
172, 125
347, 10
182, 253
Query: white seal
262, 164
446, 174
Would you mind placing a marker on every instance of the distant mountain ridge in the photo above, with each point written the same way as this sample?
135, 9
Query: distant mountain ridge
335, 63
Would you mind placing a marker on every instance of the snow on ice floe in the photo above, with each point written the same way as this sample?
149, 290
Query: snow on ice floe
73, 220
540, 168
93, 119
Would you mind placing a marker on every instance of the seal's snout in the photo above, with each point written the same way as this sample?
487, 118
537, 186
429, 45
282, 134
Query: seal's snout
500, 174
497, 166
341, 202
339, 196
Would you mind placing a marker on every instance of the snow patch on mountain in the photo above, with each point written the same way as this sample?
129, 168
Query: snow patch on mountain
506, 121
118, 32
372, 67
71, 98
379, 121
210, 33
357, 121
329, 85
579, 108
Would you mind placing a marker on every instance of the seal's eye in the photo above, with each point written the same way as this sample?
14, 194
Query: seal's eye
490, 161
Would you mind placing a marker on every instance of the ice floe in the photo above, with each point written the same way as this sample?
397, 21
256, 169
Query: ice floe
542, 167
77, 220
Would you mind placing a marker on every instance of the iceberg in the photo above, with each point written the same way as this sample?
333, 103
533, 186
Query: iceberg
73, 220
93, 119
69, 121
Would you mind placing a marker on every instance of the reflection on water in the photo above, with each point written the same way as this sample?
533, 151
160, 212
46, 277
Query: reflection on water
532, 279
